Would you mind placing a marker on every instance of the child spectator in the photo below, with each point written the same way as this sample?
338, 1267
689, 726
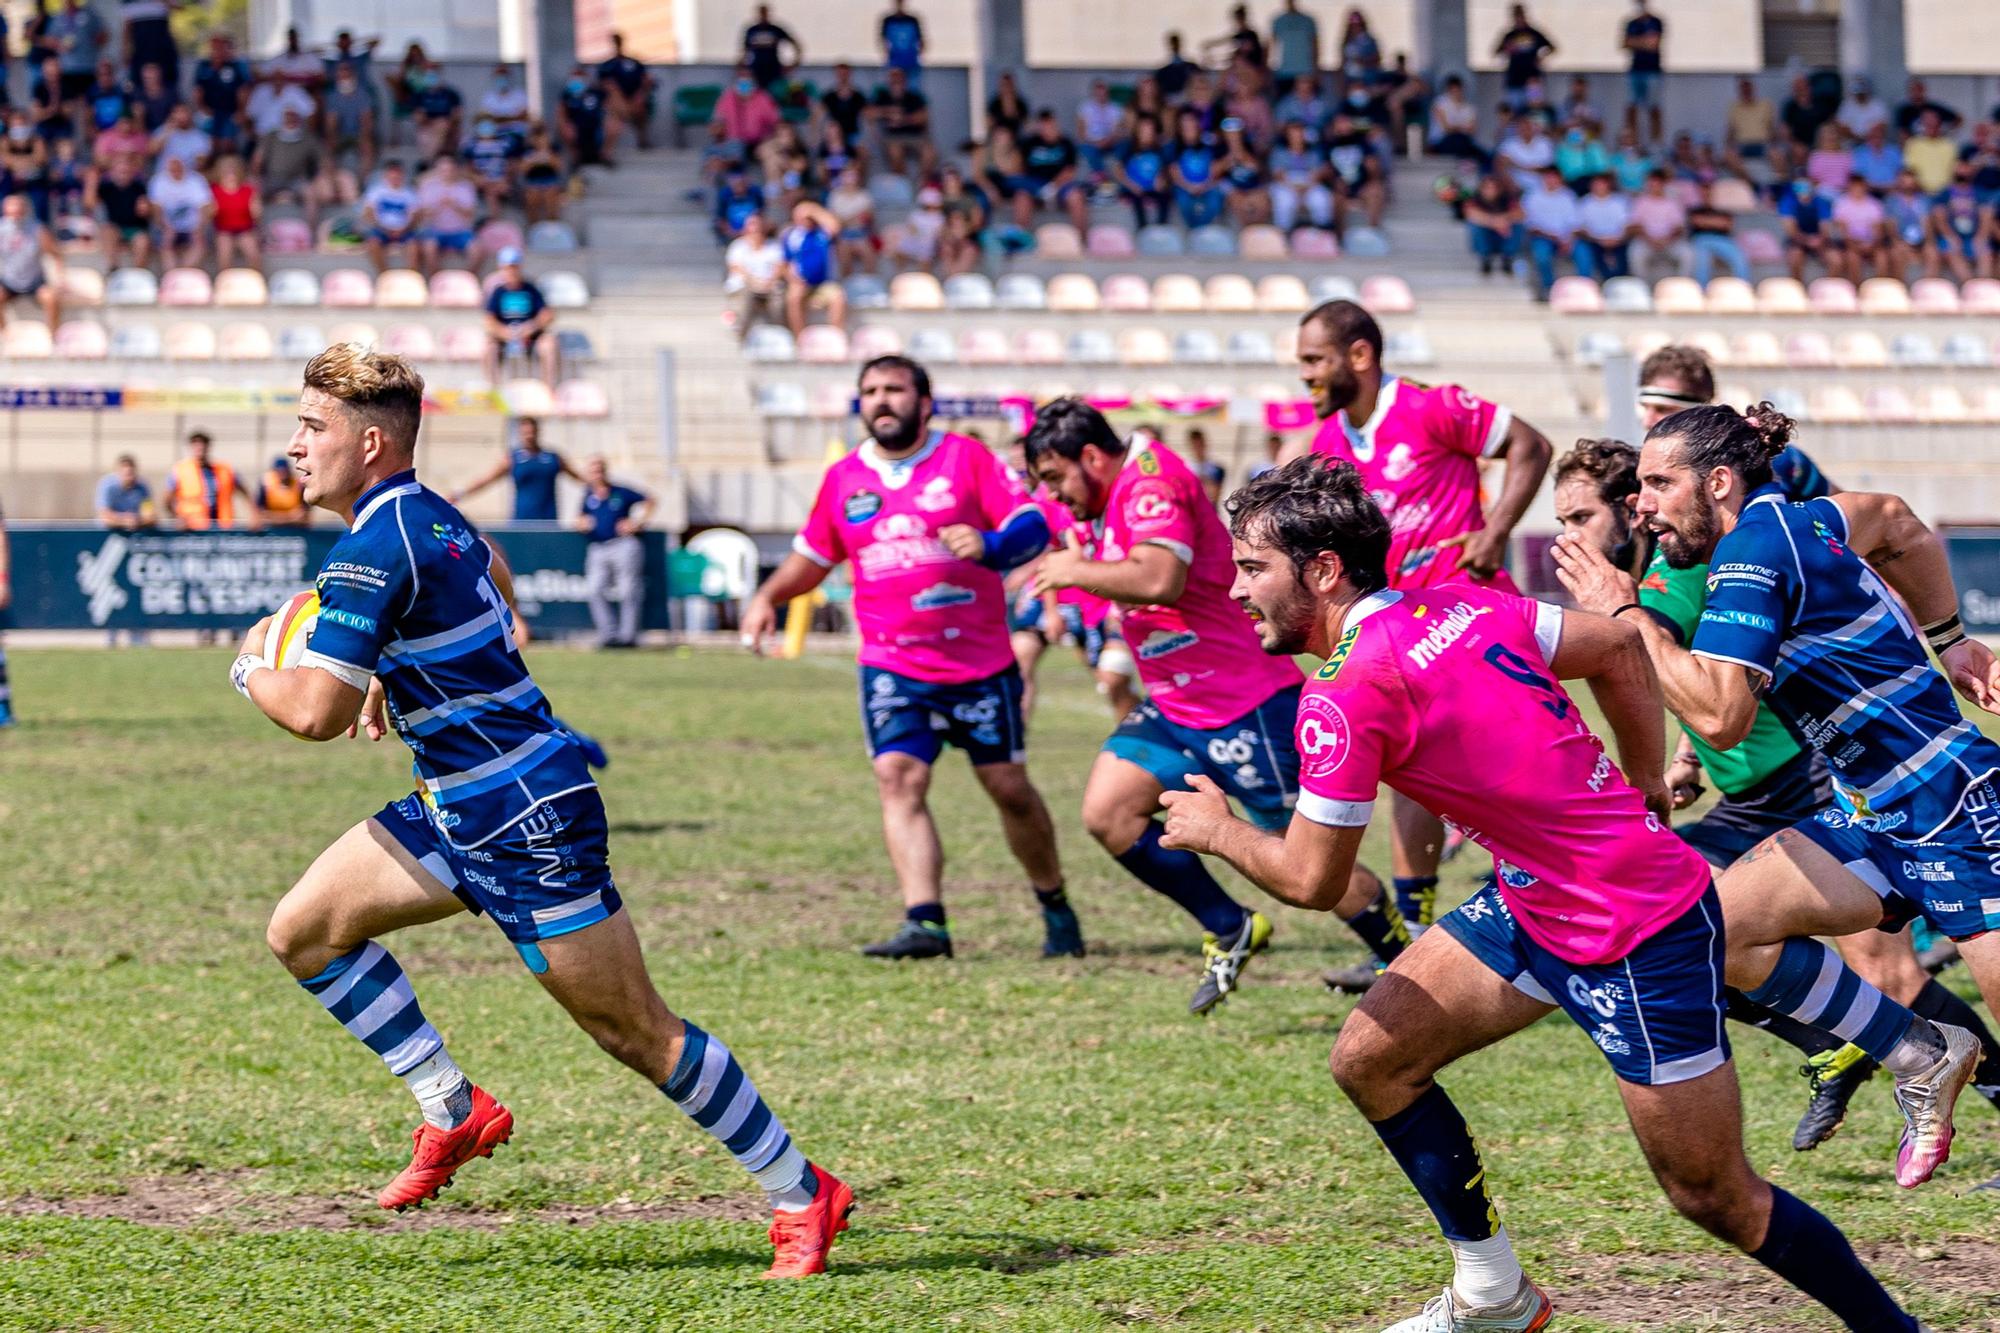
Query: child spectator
754, 273
736, 203
1493, 224
447, 208
238, 213
389, 219
1957, 225
1140, 172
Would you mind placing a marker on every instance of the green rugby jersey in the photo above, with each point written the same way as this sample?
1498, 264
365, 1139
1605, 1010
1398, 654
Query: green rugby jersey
1679, 595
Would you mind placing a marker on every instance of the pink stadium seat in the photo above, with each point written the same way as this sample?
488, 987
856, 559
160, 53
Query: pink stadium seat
347, 288
1885, 296
528, 398
1127, 293
1759, 348
1313, 243
1833, 296
1889, 402
82, 286
498, 235
189, 342
1711, 345
1933, 296
1731, 296
1109, 241
1073, 293
1282, 294
1229, 294
1679, 296
358, 331
1808, 350
26, 340
1836, 404
1262, 244
1177, 294
915, 291
411, 340
873, 340
1144, 347
1575, 294
82, 340
186, 286
1860, 349
1782, 296
455, 289
1985, 404
402, 289
1039, 347
984, 347
1981, 296
823, 344
1685, 192
287, 236
1387, 294
462, 343
241, 287
1058, 240
243, 341
584, 398
1733, 196
1942, 403
1762, 247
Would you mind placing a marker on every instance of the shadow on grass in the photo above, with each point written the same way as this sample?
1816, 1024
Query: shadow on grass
639, 828
999, 1252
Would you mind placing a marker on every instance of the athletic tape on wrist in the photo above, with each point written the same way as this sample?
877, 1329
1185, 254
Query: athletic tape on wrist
239, 672
1945, 634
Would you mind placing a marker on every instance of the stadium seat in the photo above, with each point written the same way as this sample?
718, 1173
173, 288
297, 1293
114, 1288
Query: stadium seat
1366, 243
1984, 405
76, 233
287, 236
402, 289
1732, 392
1933, 296
1678, 296
1387, 294
26, 340
1730, 296
984, 347
1144, 347
241, 287
1889, 402
830, 400
244, 341
1762, 247
347, 288
186, 287
1759, 348
873, 340
1039, 347
1575, 294
1248, 347
552, 237
82, 340
301, 342
1732, 195
527, 398
1789, 401
1073, 293
1177, 294
915, 291
1836, 404
1980, 296
1649, 341
1629, 296
1409, 347
1161, 242
1020, 291
367, 335
1858, 349
931, 345
573, 347
784, 399
1262, 244
1127, 293
1092, 347
1332, 287
338, 233
189, 342
1058, 240
135, 342
562, 289
1197, 347
1942, 404
82, 286
1212, 242
865, 291
1968, 351
294, 287
1229, 294
1712, 345
1594, 347
585, 398
1108, 240
462, 344
410, 340
1914, 349
1684, 192
891, 192
770, 342
1885, 296
968, 291
499, 235
1808, 350
1314, 243
1282, 294
1782, 296
1832, 296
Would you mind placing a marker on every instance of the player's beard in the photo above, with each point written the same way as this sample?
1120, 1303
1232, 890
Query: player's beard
908, 430
1285, 625
1625, 544
1336, 393
1693, 542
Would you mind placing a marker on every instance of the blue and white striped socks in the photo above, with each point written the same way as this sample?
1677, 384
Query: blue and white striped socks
1812, 984
714, 1092
368, 993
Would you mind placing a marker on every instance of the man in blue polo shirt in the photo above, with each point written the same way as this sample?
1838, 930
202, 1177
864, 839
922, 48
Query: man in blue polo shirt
533, 471
614, 560
810, 281
517, 318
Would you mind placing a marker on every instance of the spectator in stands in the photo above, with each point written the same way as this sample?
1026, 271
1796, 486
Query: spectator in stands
1802, 115
347, 122
79, 37
1173, 76
1581, 156
844, 104
835, 153
116, 195
222, 82
1862, 224
1303, 102
281, 501
1526, 152
1524, 47
66, 181
30, 262
1631, 164
583, 118
1403, 96
1050, 161
904, 117
1712, 239
1194, 172
746, 112
490, 155
447, 209
359, 55
1931, 155
1552, 218
407, 82
1274, 449
1808, 220
238, 214
107, 98
180, 137
156, 98
1299, 182
1659, 226
24, 160
201, 490
1909, 215
149, 40
959, 248
739, 200
1604, 230
811, 282
913, 243
853, 208
1007, 109
531, 469
1494, 224
1248, 195
438, 113
764, 44
127, 139
1830, 163
1860, 112
902, 35
518, 320
754, 273
786, 166
296, 65
632, 90
1099, 121
290, 165
1878, 161
1645, 33
1958, 224
962, 199
542, 178
1357, 170
124, 500
389, 219
268, 102
1294, 44
1252, 109
1454, 123
1752, 125
1916, 101
182, 205
1983, 156
1577, 108
1140, 172
505, 102
614, 559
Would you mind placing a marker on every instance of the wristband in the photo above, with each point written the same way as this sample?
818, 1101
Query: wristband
239, 672
1945, 634
1629, 606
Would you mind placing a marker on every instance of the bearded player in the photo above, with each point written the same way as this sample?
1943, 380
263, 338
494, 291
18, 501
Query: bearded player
1418, 449
505, 821
1450, 696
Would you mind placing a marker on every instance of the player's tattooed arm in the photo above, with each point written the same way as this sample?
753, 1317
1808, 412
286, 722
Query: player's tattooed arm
1310, 865
1884, 531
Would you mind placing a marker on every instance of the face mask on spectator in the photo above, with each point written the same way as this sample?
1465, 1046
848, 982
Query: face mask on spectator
420, 80
575, 86
745, 87
21, 133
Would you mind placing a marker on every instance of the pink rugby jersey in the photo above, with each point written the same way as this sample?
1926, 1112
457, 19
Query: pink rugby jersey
1419, 457
1199, 658
922, 611
1445, 695
1092, 608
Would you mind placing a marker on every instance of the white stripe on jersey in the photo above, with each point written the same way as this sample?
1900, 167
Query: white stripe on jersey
448, 707
1880, 694
498, 764
486, 620
393, 493
1865, 621
1917, 762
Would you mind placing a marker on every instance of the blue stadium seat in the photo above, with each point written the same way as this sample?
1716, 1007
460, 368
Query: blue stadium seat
300, 342
933, 346
783, 399
574, 345
1197, 347
1212, 242
135, 342
1365, 243
1249, 347
1967, 351
1914, 349
1333, 287
968, 291
1409, 347
1021, 291
865, 291
1092, 347
1161, 242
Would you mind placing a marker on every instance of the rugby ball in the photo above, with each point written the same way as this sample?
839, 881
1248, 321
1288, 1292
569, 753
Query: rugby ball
285, 639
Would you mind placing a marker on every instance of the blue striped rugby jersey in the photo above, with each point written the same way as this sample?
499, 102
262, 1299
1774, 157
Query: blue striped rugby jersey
1848, 671
406, 596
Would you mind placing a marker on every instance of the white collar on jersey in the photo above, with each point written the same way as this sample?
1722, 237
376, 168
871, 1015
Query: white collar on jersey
1378, 600
393, 493
896, 472
1137, 443
1362, 441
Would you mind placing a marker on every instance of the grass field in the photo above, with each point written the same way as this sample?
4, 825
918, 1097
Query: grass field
187, 1142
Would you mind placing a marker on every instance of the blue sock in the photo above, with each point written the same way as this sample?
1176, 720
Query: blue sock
367, 993
1416, 898
1811, 983
1381, 928
1181, 876
6, 696
1809, 1252
1430, 1141
926, 914
711, 1088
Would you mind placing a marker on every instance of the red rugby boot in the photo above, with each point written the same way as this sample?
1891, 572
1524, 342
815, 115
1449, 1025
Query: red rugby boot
440, 1152
804, 1237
